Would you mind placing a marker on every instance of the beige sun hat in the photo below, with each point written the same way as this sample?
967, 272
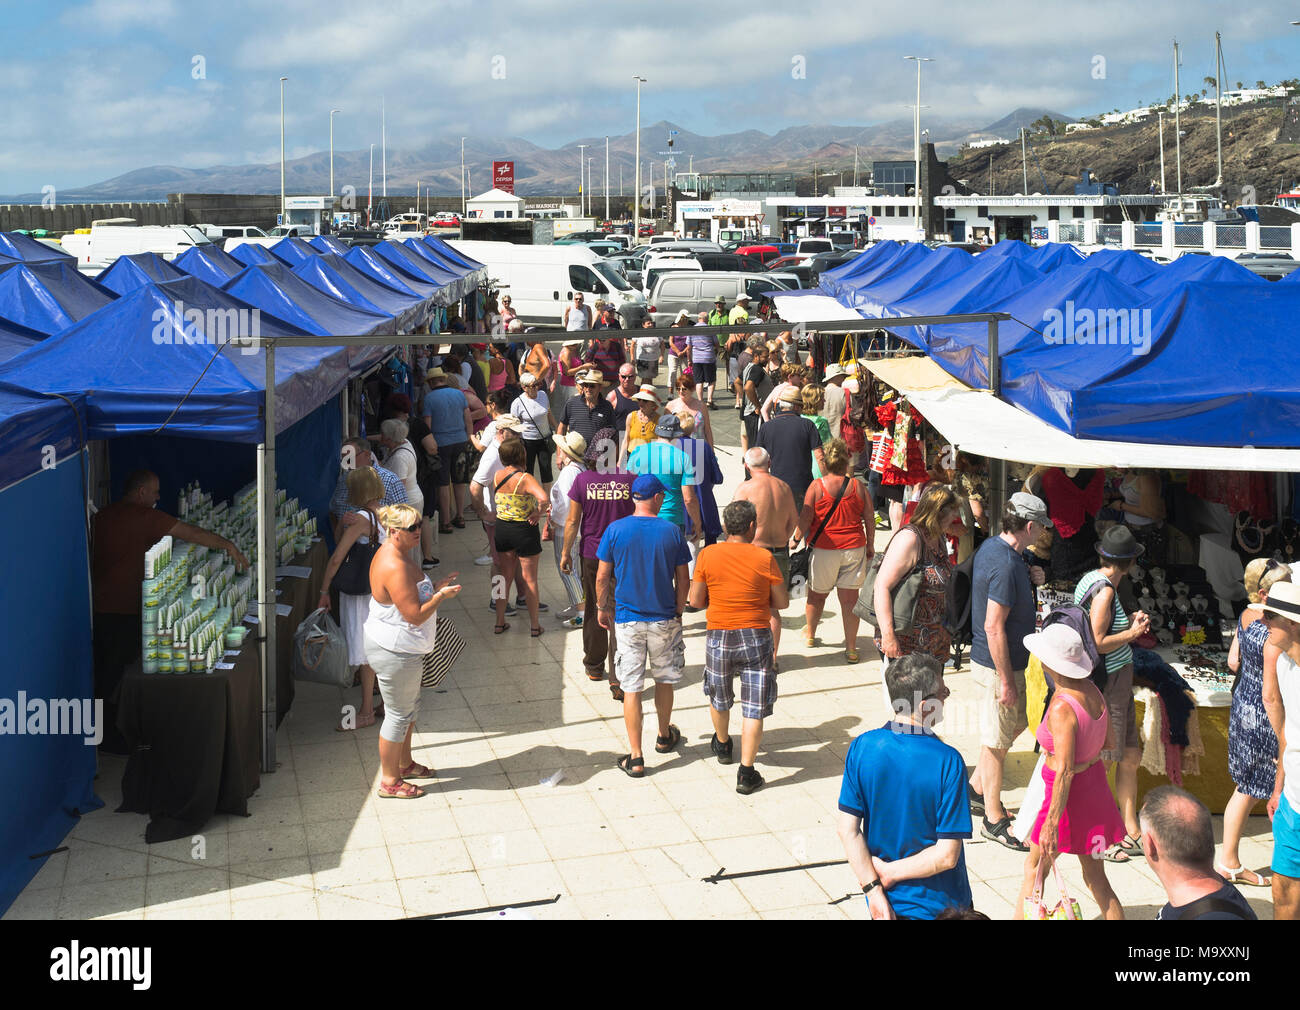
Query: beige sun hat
572, 445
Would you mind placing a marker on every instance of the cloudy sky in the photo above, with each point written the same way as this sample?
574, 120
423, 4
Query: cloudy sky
89, 90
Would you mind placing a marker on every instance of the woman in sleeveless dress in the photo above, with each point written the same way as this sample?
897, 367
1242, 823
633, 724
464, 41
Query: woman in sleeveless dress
1078, 815
1252, 737
366, 491
522, 509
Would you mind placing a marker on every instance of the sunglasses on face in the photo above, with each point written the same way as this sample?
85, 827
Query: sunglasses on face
411, 529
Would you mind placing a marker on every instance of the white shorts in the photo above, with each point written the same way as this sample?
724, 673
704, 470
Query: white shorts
657, 644
830, 569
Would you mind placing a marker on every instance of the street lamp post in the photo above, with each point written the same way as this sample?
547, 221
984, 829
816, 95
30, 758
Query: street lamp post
636, 189
283, 213
916, 186
582, 167
332, 112
370, 190
606, 178
462, 177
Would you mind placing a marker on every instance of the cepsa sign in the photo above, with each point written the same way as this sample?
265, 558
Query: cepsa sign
503, 176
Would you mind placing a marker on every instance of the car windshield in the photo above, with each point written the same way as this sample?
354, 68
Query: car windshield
608, 271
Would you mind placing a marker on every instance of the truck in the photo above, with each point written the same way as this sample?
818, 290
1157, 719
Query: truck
541, 280
107, 240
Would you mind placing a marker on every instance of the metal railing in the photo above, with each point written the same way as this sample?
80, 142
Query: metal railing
1189, 236
1273, 236
1071, 233
1110, 234
1148, 233
1230, 236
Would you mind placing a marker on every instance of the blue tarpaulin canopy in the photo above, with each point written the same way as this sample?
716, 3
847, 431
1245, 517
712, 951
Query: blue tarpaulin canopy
1008, 247
276, 289
208, 263
910, 279
408, 259
29, 250
339, 278
48, 296
986, 282
1052, 255
451, 254
1214, 269
293, 250
15, 339
161, 356
253, 254
1128, 266
878, 269
129, 272
373, 265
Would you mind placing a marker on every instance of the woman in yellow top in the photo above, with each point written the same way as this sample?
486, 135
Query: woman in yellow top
522, 508
641, 423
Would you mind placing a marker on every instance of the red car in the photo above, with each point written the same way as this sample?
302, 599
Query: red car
646, 230
762, 253
447, 222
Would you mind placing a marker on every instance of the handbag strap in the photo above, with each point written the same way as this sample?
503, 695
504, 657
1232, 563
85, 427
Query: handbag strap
1036, 895
834, 505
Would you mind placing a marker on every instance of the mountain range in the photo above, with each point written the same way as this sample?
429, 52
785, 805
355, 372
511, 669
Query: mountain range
541, 171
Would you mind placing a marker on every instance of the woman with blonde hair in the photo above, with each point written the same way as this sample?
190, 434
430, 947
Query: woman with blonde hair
366, 492
843, 548
923, 541
1254, 720
814, 398
400, 631
523, 508
688, 401
640, 426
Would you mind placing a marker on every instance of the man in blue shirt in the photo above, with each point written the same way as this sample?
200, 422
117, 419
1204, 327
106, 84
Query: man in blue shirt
1002, 608
447, 413
648, 560
903, 806
665, 459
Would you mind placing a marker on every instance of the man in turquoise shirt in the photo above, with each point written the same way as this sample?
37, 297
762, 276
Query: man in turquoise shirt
664, 459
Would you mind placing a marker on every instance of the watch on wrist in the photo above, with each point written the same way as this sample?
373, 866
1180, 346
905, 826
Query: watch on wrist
868, 888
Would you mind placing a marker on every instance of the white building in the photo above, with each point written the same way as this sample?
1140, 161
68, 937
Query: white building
876, 216
976, 217
495, 204
719, 220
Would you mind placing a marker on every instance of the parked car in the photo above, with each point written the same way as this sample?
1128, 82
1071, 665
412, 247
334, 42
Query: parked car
800, 266
843, 239
656, 266
728, 261
676, 290
810, 247
646, 230
763, 253
1271, 266
828, 261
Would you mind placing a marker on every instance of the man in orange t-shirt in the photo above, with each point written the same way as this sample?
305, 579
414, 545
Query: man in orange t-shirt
740, 584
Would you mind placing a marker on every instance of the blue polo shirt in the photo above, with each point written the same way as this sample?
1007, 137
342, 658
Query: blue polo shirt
909, 789
445, 407
645, 552
673, 467
1001, 575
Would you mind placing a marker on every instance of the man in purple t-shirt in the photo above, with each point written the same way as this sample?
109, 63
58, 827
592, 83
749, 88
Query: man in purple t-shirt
601, 494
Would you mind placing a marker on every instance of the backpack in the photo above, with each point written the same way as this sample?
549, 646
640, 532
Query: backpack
1076, 617
957, 612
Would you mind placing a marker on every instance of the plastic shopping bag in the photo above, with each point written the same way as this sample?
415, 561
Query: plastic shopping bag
320, 652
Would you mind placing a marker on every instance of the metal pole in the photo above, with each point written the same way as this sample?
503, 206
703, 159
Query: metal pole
370, 191
1218, 104
266, 562
332, 111
1160, 118
462, 176
997, 467
1024, 164
636, 192
383, 138
1178, 141
607, 178
582, 167
284, 218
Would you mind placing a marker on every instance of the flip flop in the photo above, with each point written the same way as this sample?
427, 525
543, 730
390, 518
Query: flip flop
1237, 876
633, 768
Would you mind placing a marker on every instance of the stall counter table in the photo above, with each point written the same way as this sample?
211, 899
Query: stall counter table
195, 739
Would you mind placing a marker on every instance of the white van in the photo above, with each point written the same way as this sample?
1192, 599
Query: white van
541, 280
105, 243
656, 266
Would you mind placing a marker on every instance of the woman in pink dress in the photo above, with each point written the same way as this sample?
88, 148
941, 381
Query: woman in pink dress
1079, 815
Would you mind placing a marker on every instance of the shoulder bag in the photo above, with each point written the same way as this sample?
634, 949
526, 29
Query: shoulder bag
1065, 909
906, 592
353, 576
801, 561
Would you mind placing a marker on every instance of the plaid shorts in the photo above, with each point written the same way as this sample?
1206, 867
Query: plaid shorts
748, 652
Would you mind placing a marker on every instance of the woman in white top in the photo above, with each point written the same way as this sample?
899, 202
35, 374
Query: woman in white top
1282, 615
536, 424
570, 449
400, 631
366, 491
402, 462
649, 356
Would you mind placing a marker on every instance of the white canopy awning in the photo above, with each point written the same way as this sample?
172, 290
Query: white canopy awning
977, 422
811, 308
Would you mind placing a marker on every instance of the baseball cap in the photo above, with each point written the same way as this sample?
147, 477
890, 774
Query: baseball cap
1027, 506
647, 486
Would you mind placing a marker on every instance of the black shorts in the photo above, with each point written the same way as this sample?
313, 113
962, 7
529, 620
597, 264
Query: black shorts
455, 464
751, 427
523, 539
704, 372
892, 492
539, 450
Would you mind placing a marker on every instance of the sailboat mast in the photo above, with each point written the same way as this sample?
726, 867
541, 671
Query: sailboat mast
1218, 104
1178, 136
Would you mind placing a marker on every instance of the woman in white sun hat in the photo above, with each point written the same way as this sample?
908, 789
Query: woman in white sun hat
1282, 614
570, 449
1078, 815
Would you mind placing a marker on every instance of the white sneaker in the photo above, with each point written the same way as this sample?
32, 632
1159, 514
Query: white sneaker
486, 559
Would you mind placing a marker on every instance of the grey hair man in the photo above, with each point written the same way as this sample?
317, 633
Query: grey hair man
1178, 841
739, 583
777, 516
903, 808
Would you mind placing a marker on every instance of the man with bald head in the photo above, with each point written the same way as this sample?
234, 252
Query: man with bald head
777, 516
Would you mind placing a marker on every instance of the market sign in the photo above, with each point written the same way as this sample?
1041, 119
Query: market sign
503, 176
836, 211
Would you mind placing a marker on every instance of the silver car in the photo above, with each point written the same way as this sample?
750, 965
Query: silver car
696, 291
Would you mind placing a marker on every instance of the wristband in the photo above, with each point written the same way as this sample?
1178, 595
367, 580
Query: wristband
868, 888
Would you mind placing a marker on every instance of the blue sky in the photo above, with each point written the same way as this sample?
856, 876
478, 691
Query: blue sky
91, 89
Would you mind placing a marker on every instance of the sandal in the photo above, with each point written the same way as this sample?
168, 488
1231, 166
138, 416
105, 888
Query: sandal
633, 768
1001, 833
616, 692
665, 744
976, 800
851, 656
535, 633
459, 523
500, 629
811, 641
444, 530
1131, 846
401, 791
1116, 854
418, 771
1237, 876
